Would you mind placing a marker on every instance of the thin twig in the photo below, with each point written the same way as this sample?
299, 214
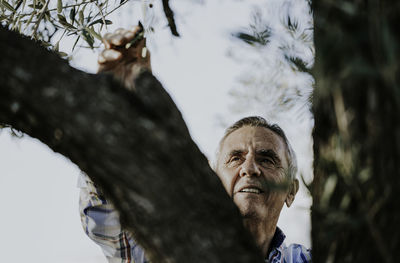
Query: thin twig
170, 17
112, 10
64, 7
40, 18
102, 15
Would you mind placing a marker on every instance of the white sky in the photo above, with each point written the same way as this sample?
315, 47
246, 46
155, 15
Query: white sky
39, 198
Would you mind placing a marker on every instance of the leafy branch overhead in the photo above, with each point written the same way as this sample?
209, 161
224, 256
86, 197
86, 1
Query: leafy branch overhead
278, 40
82, 19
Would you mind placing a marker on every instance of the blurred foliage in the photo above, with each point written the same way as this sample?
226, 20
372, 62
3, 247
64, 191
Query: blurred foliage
276, 53
42, 19
279, 49
257, 36
355, 211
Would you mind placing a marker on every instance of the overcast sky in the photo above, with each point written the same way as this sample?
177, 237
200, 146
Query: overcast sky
39, 198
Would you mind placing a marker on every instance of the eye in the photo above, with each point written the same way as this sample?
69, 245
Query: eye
267, 160
234, 159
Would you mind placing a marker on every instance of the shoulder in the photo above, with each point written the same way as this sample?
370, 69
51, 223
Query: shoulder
296, 253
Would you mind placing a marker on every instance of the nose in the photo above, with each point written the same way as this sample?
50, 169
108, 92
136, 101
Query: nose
250, 168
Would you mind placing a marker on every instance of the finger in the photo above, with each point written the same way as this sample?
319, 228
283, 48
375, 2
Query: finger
117, 40
109, 55
131, 33
128, 35
135, 29
121, 37
120, 31
107, 40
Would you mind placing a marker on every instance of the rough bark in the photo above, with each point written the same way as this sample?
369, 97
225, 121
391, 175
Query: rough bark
135, 146
355, 211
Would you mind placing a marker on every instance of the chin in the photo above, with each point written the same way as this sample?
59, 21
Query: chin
248, 207
249, 212
250, 215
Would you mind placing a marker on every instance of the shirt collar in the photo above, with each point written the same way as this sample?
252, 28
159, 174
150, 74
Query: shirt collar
277, 240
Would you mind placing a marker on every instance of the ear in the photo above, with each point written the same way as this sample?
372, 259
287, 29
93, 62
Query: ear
292, 192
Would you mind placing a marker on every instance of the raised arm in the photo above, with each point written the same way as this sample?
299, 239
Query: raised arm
124, 56
101, 223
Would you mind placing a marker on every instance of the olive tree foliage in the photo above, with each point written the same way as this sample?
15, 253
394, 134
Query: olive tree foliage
84, 20
356, 104
277, 53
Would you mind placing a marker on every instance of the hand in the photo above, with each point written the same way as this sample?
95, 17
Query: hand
124, 54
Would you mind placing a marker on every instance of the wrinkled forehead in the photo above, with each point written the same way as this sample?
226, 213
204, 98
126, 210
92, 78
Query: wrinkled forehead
253, 138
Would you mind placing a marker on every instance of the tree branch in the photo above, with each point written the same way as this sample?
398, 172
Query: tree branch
170, 17
135, 146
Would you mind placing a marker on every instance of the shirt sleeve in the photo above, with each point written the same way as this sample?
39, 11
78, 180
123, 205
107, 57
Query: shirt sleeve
101, 223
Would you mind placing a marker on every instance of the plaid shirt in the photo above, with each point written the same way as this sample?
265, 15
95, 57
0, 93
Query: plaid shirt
101, 223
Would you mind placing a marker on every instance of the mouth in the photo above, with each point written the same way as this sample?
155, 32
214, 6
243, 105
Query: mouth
251, 190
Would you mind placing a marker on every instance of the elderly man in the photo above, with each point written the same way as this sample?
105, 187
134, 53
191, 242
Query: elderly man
255, 163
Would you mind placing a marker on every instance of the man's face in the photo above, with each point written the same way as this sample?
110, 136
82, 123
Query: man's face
250, 160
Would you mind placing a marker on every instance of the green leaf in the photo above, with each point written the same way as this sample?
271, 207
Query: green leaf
292, 25
88, 18
88, 38
7, 6
299, 64
45, 44
81, 17
76, 42
59, 6
15, 26
56, 46
100, 21
94, 33
30, 19
72, 15
47, 16
36, 6
63, 21
249, 39
63, 54
23, 5
83, 9
255, 36
61, 18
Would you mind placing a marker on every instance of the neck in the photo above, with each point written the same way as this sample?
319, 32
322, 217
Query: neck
262, 233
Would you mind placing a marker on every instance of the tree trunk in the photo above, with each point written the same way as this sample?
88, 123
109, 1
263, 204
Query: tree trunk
134, 146
355, 211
